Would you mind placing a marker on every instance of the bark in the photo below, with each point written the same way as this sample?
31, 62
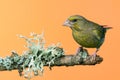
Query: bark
66, 60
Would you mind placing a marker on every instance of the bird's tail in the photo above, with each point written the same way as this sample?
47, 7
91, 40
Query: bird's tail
107, 27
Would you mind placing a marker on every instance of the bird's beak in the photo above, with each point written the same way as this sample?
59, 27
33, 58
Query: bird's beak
66, 23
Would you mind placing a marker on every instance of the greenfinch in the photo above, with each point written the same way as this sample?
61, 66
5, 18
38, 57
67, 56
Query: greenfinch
87, 33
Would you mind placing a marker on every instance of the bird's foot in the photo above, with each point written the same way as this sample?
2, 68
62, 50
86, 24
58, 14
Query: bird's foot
93, 56
79, 50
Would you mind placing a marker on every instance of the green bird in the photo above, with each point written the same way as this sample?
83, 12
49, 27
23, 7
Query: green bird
87, 33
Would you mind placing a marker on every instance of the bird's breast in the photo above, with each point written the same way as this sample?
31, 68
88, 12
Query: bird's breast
85, 39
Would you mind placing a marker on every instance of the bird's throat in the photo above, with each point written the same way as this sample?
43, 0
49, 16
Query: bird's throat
75, 28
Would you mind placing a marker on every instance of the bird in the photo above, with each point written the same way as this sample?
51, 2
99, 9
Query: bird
87, 33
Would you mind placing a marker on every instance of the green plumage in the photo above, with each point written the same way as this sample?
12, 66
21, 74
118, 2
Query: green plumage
86, 33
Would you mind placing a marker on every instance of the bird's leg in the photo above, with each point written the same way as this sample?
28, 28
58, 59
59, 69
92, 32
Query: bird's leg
79, 49
94, 55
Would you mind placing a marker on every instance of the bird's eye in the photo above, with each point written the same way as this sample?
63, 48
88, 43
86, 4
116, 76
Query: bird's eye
74, 20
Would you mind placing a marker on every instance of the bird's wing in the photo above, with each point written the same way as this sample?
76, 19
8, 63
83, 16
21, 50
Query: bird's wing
99, 34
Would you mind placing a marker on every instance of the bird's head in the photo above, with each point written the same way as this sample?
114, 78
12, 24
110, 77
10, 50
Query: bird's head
74, 21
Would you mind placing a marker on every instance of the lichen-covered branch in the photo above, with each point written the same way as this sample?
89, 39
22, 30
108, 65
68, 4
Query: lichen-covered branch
66, 60
37, 56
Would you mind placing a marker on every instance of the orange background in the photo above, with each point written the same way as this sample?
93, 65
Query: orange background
25, 16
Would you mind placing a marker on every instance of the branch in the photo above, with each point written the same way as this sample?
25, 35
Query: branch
71, 60
37, 56
81, 58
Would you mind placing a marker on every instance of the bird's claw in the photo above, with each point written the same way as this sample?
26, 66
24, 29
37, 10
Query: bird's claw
93, 56
79, 50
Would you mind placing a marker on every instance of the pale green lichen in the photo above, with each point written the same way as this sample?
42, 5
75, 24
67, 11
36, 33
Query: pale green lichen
38, 56
33, 60
1, 60
8, 63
